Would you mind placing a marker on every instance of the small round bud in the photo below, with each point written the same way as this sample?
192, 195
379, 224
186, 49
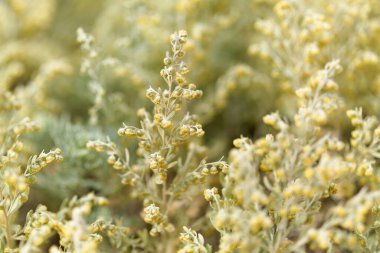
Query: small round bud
166, 124
213, 170
118, 165
111, 159
167, 61
121, 131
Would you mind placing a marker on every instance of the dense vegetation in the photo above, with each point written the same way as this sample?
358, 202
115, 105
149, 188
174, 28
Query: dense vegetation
189, 126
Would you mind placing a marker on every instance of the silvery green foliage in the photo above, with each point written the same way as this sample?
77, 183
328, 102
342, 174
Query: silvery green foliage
304, 181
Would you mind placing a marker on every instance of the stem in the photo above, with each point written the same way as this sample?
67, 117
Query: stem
164, 199
8, 233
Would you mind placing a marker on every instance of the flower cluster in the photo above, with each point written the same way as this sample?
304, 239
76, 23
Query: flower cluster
16, 175
69, 223
193, 242
304, 181
161, 177
299, 37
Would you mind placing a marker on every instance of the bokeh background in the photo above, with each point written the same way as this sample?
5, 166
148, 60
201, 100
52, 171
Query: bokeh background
247, 56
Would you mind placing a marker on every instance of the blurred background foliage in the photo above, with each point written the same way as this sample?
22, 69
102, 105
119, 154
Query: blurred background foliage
238, 54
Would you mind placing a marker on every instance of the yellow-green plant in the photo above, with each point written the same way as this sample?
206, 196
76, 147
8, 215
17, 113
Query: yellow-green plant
69, 223
16, 173
170, 163
310, 185
300, 37
309, 190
